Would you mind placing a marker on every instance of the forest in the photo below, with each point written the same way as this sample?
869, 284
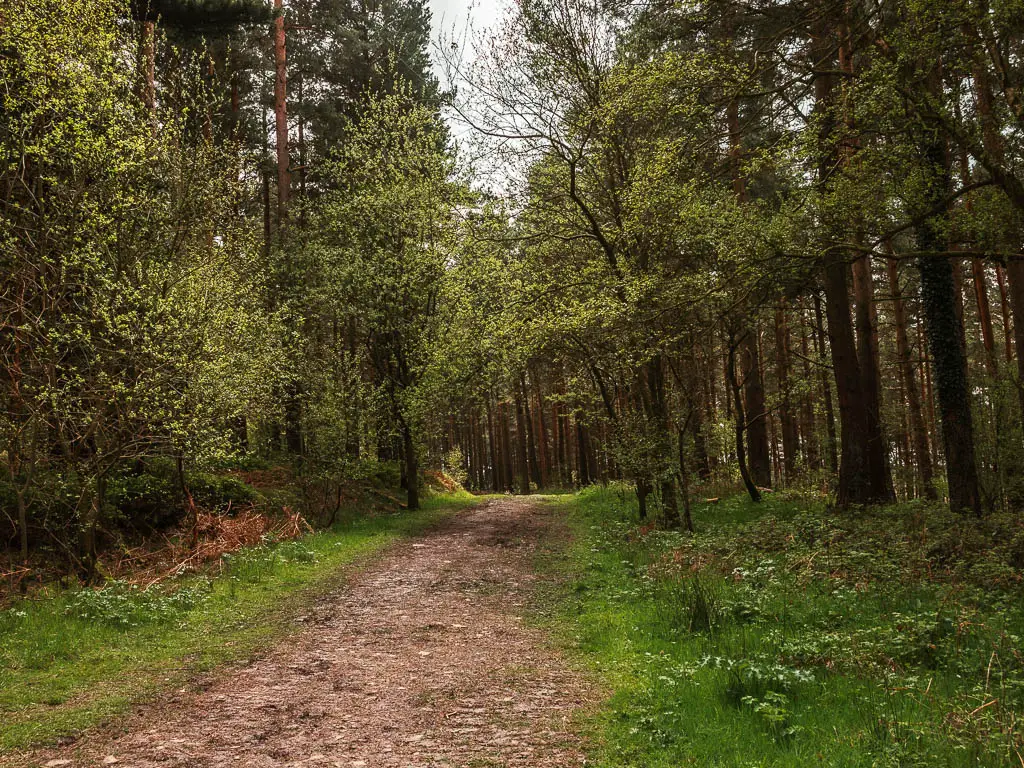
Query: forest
732, 290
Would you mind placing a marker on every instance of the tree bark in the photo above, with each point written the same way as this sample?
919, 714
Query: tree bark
412, 468
787, 418
508, 459
809, 443
684, 483
753, 384
522, 452
867, 358
531, 436
993, 144
918, 430
643, 490
582, 460
653, 380
495, 468
944, 329
857, 483
542, 434
741, 423
281, 113
1004, 310
755, 412
831, 443
865, 313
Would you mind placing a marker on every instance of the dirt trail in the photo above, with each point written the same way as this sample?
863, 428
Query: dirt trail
422, 660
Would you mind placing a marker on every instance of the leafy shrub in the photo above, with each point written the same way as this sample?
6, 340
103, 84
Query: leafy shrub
126, 605
454, 466
149, 498
921, 639
219, 491
755, 678
773, 710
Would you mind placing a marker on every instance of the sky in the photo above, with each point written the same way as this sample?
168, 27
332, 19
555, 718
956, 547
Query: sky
447, 14
450, 19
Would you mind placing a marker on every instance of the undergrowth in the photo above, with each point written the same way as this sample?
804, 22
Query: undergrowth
71, 660
785, 635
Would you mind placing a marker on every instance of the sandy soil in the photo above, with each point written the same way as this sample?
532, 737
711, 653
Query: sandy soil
422, 660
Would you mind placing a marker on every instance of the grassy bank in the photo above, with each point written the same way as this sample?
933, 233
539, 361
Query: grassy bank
783, 635
76, 659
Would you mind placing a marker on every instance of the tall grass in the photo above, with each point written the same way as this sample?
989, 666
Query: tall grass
781, 635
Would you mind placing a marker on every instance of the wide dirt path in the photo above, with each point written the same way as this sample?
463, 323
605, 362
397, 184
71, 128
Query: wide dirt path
421, 660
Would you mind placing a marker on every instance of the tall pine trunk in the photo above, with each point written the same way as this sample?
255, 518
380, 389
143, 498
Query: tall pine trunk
856, 484
412, 468
944, 329
787, 416
281, 113
753, 385
735, 387
918, 430
522, 452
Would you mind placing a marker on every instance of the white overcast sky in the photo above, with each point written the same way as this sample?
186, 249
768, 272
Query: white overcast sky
447, 12
456, 14
450, 19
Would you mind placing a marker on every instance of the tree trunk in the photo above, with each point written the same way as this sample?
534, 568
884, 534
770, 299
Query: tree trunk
1004, 310
918, 430
741, 424
480, 457
531, 436
787, 418
757, 426
412, 468
643, 490
855, 477
293, 421
988, 337
558, 437
522, 452
90, 526
832, 445
656, 404
22, 522
857, 483
944, 329
867, 359
581, 449
756, 413
807, 426
495, 468
281, 113
684, 483
700, 445
865, 314
564, 448
542, 434
591, 454
508, 459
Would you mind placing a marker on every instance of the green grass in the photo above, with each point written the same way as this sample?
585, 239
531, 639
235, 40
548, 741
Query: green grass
71, 661
784, 635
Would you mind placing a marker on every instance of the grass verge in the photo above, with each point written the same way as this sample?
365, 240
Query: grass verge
72, 661
784, 635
